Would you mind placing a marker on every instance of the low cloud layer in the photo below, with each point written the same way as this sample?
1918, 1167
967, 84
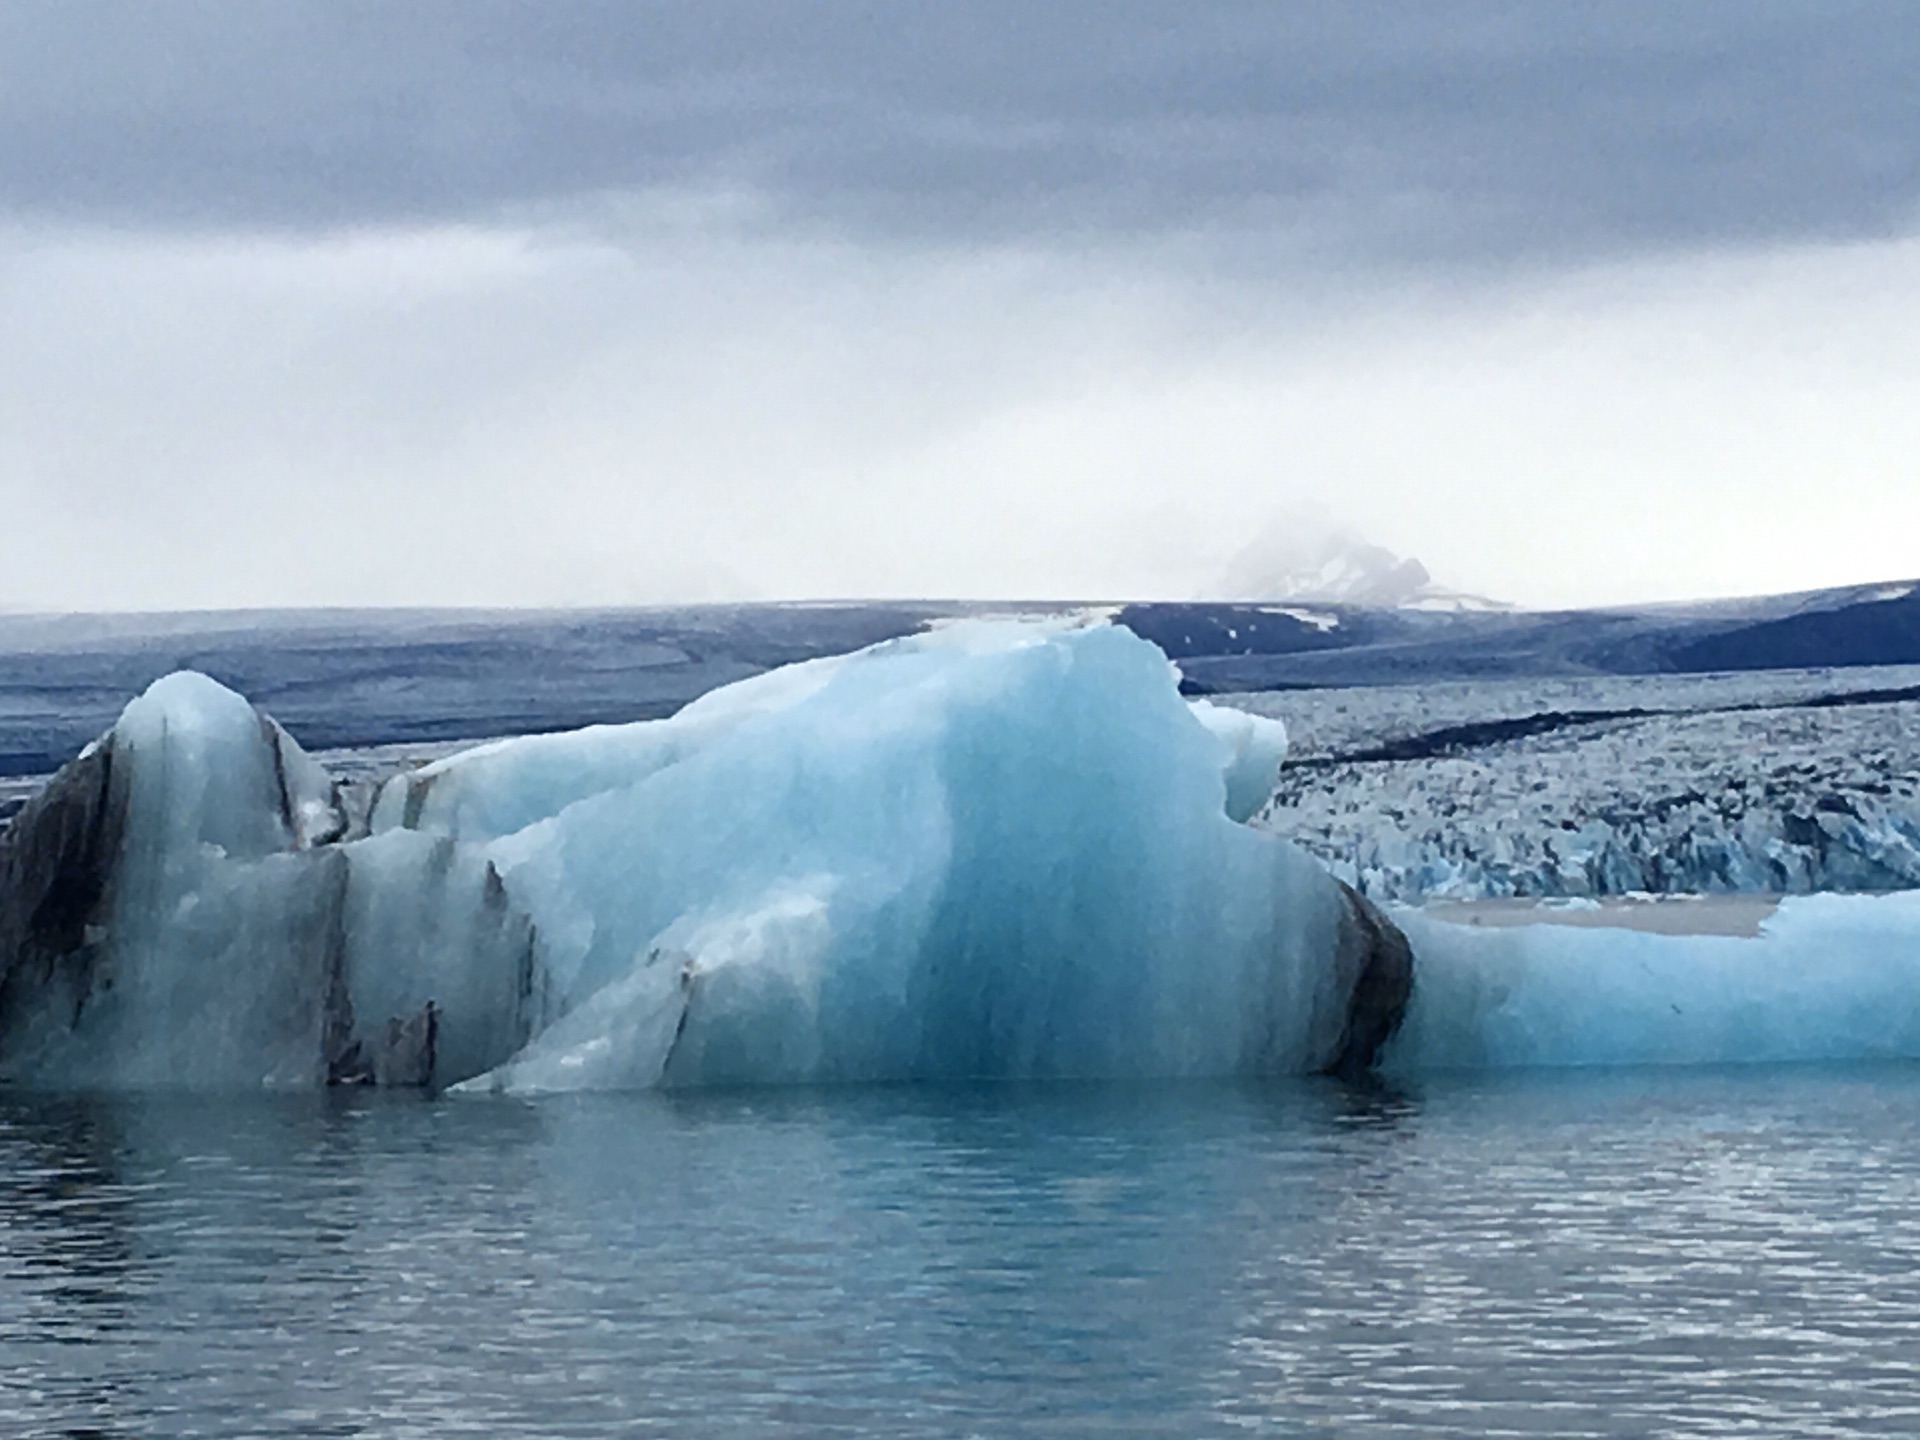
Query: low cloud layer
470, 417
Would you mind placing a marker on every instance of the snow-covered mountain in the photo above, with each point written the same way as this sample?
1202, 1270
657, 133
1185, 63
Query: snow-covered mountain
1312, 564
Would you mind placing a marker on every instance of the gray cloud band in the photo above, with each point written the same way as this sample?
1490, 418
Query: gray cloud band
1476, 131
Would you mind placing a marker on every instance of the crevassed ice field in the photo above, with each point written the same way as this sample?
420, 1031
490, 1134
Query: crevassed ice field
1784, 782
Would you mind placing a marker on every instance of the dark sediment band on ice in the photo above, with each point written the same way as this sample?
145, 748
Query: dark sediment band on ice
64, 863
1376, 949
57, 859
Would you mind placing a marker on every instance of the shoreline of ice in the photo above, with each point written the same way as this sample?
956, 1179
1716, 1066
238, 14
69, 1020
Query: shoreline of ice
1669, 914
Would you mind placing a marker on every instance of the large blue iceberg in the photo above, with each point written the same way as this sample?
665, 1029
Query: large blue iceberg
994, 850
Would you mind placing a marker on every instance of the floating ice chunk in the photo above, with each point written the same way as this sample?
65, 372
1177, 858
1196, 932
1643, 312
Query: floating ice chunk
174, 910
1000, 850
1827, 977
193, 951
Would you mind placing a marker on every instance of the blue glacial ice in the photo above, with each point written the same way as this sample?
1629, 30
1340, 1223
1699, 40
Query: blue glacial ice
1826, 977
997, 849
1000, 850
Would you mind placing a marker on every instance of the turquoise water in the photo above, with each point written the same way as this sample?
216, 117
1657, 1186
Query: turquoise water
1657, 1253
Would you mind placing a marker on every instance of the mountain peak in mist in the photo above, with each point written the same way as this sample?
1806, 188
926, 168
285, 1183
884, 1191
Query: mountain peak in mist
1301, 562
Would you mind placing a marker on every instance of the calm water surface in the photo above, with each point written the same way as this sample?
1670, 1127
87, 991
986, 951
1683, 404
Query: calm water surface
1649, 1254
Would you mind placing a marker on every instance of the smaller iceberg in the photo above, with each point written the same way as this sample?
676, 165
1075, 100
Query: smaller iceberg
999, 849
1819, 977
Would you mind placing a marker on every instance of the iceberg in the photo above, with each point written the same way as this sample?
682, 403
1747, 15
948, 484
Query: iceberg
1815, 978
998, 849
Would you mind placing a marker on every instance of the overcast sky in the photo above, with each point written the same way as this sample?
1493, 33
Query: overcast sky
548, 303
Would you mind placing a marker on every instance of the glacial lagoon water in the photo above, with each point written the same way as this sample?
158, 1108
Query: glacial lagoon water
1631, 1253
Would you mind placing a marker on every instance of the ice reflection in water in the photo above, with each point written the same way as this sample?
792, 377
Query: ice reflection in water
1650, 1254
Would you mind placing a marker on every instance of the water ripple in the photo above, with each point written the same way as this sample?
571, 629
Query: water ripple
1728, 1254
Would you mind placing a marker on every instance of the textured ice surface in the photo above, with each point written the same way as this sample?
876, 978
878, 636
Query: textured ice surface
1750, 783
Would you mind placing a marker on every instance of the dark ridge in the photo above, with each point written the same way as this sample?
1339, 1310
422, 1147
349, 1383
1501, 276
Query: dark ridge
1477, 734
1185, 631
1860, 697
1872, 632
1196, 689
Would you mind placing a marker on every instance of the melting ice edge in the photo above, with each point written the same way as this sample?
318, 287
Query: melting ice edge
996, 850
